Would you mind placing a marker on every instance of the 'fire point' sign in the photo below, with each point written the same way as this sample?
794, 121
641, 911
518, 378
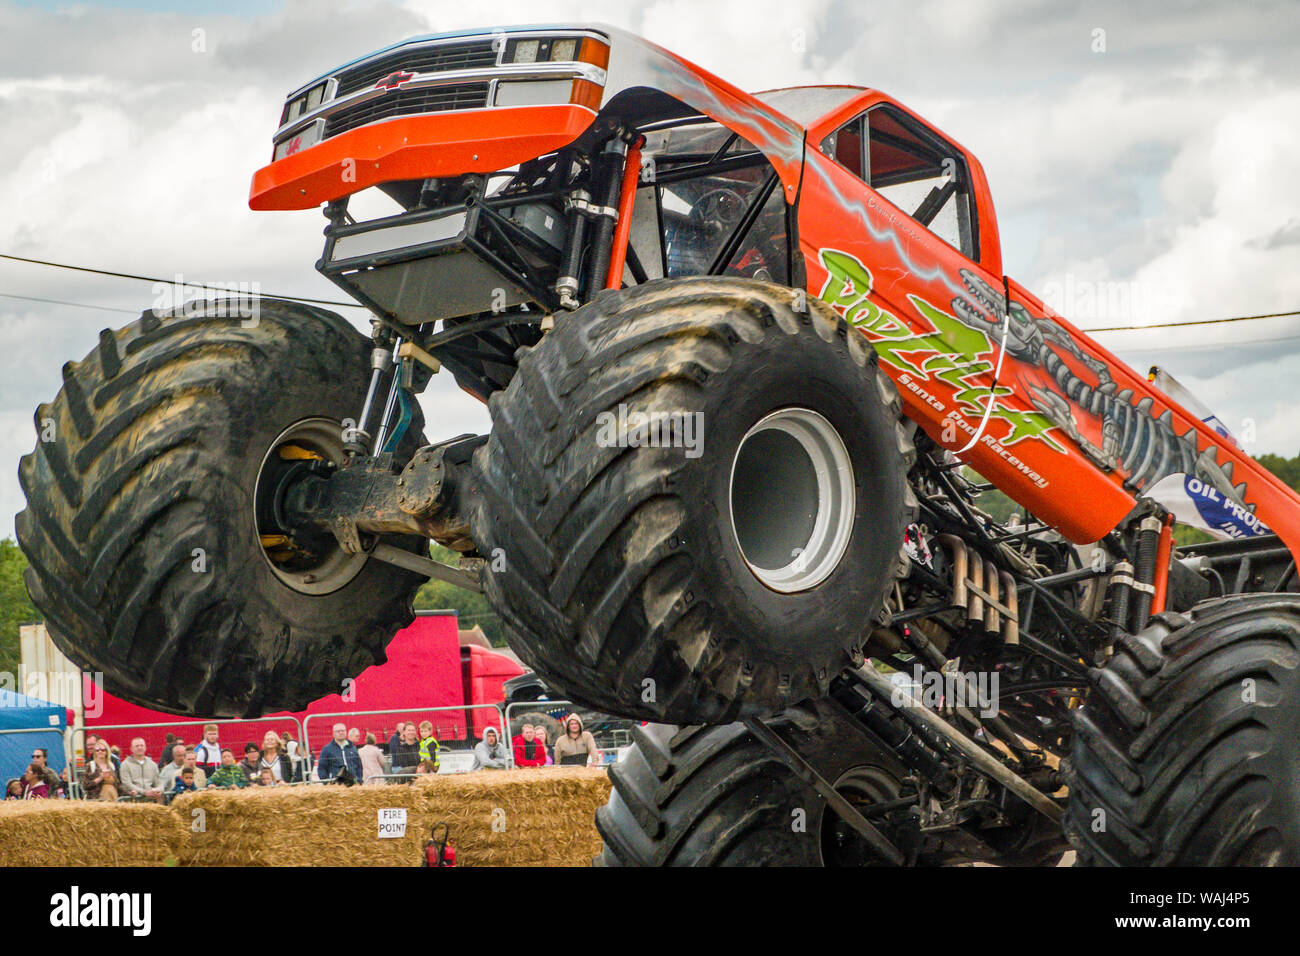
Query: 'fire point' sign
392, 823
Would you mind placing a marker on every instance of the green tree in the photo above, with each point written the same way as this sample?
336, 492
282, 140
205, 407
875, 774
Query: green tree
471, 608
1001, 507
1185, 534
16, 607
1287, 469
992, 502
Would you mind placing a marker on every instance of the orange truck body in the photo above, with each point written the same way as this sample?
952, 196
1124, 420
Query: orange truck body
901, 286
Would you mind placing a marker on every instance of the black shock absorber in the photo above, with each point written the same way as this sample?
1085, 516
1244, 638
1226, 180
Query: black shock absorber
898, 737
1121, 592
1148, 545
610, 180
569, 282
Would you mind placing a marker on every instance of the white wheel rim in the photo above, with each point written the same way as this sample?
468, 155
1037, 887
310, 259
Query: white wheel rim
324, 437
791, 499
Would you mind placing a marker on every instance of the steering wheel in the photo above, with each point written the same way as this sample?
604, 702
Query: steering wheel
718, 207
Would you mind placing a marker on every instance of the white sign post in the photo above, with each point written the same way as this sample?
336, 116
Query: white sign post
392, 823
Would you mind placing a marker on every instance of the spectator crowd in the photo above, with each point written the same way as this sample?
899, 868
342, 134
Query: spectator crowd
348, 758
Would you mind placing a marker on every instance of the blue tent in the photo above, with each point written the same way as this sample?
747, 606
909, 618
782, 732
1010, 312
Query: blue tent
38, 724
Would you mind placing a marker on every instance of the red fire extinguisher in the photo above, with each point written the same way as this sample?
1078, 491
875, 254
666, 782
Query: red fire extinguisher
440, 851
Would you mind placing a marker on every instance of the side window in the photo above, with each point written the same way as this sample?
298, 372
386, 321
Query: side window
720, 207
846, 147
913, 168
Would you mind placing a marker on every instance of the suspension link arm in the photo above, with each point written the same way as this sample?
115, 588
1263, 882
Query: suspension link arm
805, 772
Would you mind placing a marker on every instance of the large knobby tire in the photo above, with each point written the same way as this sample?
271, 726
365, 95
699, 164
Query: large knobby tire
716, 796
617, 569
1186, 753
145, 557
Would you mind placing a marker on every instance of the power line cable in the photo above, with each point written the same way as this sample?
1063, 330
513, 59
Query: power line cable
1178, 325
1140, 350
353, 305
172, 281
79, 305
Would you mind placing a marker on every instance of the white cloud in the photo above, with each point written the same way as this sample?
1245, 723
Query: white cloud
1163, 161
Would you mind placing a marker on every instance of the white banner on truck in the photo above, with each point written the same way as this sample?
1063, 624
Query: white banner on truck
1190, 500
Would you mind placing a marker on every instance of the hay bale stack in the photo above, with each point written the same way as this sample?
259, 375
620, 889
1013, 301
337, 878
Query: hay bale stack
529, 817
498, 818
296, 826
86, 833
525, 817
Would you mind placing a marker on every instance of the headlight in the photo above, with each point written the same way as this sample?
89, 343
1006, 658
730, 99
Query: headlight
525, 51
563, 50
557, 50
304, 103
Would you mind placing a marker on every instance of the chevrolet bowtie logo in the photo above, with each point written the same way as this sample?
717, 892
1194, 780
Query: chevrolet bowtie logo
393, 80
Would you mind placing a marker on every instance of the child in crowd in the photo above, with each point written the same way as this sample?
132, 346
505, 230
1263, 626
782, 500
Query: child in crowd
185, 781
229, 774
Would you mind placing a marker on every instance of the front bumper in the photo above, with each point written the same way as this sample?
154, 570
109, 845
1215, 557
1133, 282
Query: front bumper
416, 147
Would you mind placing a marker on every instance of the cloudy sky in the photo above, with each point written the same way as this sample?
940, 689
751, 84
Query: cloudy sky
1145, 161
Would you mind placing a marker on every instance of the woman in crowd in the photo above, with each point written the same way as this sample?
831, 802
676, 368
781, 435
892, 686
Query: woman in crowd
293, 750
34, 785
14, 789
539, 734
372, 759
99, 776
275, 759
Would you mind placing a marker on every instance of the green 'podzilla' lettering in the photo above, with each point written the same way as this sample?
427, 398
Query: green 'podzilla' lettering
848, 281
950, 335
1028, 425
848, 284
949, 338
972, 400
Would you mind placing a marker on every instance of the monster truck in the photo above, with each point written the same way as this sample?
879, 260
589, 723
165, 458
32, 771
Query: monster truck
751, 363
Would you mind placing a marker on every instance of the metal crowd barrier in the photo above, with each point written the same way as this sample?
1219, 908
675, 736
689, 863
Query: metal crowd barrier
619, 738
408, 711
220, 722
539, 706
390, 776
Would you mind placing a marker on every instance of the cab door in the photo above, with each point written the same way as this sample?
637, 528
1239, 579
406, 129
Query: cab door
898, 234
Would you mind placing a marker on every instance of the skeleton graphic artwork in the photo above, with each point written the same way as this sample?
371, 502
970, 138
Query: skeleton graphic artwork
1143, 447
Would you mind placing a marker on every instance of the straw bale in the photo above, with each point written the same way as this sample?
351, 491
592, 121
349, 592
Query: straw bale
86, 833
296, 826
525, 817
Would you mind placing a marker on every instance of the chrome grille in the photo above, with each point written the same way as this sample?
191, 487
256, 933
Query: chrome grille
431, 59
434, 99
